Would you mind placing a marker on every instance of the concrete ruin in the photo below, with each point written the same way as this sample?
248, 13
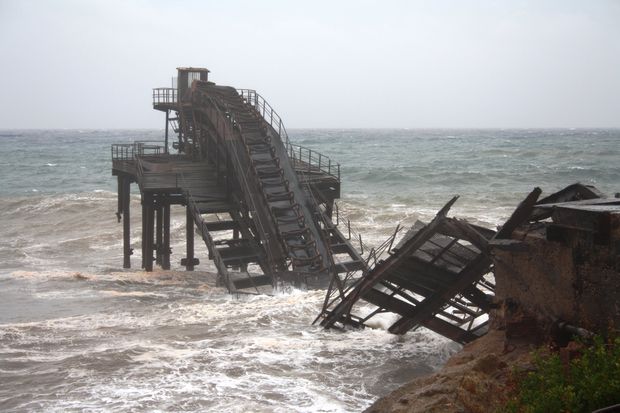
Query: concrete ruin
557, 276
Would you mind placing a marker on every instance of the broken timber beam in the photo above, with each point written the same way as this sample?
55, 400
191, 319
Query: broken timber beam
380, 271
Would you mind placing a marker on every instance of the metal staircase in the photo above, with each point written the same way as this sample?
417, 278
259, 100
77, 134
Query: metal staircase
231, 254
270, 183
277, 224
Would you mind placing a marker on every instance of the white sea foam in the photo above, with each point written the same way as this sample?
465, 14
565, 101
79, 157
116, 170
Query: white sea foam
79, 333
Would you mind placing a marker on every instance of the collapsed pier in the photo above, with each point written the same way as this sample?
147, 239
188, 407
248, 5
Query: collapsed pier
262, 205
442, 275
266, 211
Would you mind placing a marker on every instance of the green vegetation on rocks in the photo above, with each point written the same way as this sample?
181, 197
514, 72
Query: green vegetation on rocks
583, 382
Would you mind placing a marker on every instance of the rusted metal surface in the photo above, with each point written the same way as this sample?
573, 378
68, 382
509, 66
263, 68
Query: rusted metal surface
262, 205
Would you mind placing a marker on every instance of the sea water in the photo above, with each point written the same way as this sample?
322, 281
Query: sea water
77, 332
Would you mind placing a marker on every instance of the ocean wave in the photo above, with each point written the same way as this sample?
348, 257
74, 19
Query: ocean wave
146, 351
55, 203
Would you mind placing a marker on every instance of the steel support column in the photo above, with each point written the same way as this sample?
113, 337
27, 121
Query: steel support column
158, 232
150, 223
119, 208
189, 219
166, 136
144, 234
165, 262
127, 251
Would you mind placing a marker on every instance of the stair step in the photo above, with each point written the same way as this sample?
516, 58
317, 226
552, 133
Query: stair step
214, 207
269, 172
288, 217
256, 280
222, 225
265, 161
274, 182
279, 196
234, 256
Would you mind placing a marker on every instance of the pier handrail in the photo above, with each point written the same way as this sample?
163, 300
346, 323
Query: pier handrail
310, 161
128, 151
266, 111
300, 156
149, 148
164, 95
122, 151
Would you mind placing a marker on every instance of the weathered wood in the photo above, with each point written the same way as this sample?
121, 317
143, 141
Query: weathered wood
440, 326
449, 330
467, 276
509, 245
520, 215
571, 193
463, 230
383, 268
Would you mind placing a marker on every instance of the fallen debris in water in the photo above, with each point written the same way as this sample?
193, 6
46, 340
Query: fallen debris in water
441, 274
557, 278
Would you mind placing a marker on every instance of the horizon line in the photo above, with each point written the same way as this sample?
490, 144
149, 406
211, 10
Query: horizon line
347, 128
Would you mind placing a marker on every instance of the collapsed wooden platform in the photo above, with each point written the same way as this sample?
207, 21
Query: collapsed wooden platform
440, 274
437, 276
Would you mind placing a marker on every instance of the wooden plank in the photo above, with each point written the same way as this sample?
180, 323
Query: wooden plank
254, 281
449, 330
463, 230
385, 301
238, 255
222, 225
520, 215
423, 270
398, 306
384, 267
471, 273
477, 297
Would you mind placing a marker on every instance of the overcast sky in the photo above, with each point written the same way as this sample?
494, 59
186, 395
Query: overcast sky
321, 64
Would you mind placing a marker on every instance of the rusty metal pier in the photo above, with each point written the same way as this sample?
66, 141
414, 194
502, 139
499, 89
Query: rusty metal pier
265, 209
262, 205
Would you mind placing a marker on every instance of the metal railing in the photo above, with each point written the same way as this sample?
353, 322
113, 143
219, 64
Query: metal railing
266, 111
122, 151
312, 161
164, 95
128, 151
223, 125
147, 148
300, 156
